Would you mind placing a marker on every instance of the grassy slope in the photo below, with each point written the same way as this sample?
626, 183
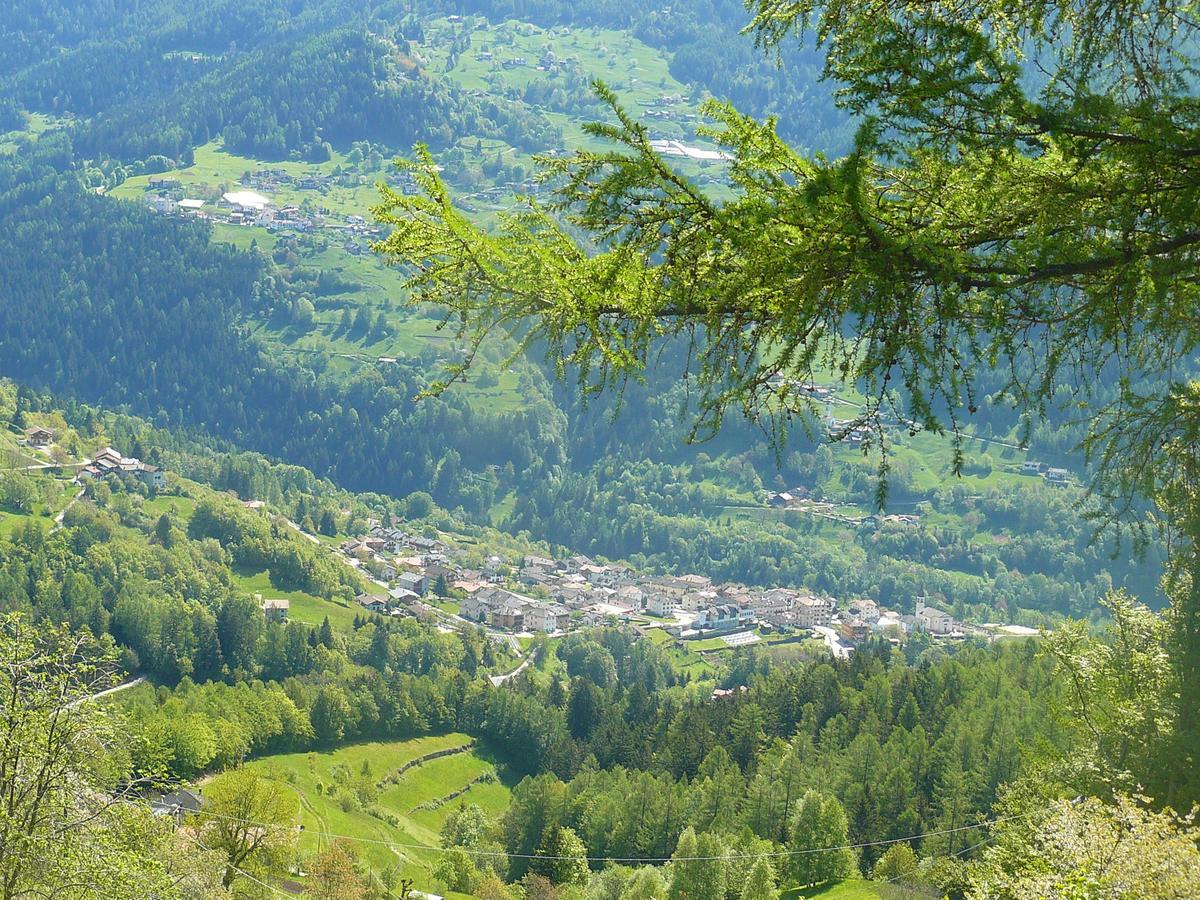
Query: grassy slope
307, 608
323, 817
854, 889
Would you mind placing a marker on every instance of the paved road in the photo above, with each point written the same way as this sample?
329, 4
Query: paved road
498, 680
304, 534
58, 520
112, 690
839, 649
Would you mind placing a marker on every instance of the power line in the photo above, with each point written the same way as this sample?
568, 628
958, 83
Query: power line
636, 860
241, 872
963, 852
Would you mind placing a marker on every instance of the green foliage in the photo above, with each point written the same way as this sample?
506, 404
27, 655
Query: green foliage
65, 815
899, 863
250, 820
562, 857
760, 884
695, 875
819, 824
645, 884
1091, 849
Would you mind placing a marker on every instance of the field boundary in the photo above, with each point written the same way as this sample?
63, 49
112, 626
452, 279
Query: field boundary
438, 802
394, 777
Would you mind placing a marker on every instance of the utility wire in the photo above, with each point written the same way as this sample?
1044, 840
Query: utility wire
241, 872
633, 859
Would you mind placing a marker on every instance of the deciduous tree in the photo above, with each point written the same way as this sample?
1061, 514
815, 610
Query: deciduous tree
250, 820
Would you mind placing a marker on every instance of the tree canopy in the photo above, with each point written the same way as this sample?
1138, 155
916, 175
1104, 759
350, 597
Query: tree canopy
1019, 200
1014, 198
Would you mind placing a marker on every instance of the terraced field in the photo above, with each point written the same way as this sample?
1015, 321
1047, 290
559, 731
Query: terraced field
389, 799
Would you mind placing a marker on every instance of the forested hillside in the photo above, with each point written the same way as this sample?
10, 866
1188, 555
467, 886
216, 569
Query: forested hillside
113, 304
678, 477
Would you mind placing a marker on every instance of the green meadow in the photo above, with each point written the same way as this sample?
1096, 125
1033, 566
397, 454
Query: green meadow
353, 793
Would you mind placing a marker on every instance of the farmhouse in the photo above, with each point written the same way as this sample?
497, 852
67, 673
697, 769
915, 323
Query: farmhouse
39, 437
375, 603
177, 804
276, 610
109, 462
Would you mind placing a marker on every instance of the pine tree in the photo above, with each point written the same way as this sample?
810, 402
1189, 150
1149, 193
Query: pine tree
378, 655
19, 421
325, 637
328, 526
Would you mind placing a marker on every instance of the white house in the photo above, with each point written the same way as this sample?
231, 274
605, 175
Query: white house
660, 605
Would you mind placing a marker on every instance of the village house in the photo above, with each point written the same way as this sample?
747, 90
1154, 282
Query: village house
493, 570
854, 631
39, 437
672, 587
276, 610
357, 549
402, 595
865, 609
376, 603
601, 576
571, 595
631, 595
777, 601
660, 605
694, 601
534, 576
888, 621
725, 617
811, 612
723, 693
509, 616
412, 581
546, 617
475, 608
435, 570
